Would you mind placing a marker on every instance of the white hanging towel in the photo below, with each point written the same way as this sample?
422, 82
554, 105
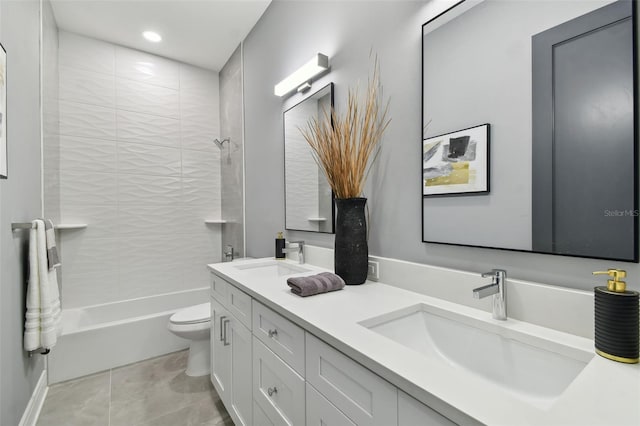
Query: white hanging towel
42, 324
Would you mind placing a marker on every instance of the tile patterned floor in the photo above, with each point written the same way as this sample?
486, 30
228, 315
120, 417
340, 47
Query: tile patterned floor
154, 392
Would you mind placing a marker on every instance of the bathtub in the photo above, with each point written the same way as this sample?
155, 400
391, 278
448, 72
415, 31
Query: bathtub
99, 337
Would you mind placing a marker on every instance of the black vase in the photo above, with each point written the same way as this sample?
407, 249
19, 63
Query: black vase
351, 254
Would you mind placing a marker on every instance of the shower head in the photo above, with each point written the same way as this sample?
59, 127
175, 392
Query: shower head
220, 143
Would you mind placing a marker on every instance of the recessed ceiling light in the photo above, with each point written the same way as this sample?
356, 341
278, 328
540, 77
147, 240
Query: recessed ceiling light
152, 36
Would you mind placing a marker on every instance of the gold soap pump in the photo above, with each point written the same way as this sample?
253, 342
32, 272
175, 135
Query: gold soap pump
615, 284
616, 319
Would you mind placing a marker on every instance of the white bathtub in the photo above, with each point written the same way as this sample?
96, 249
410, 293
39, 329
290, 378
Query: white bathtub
99, 337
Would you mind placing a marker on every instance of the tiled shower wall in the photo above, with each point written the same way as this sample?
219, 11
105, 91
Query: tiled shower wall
137, 164
50, 112
233, 154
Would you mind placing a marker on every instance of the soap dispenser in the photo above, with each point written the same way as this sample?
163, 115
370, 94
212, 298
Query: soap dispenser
616, 319
280, 254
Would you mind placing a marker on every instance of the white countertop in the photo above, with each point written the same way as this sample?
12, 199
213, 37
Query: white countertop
604, 393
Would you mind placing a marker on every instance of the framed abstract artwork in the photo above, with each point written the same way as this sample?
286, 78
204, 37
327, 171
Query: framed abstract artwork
457, 162
3, 113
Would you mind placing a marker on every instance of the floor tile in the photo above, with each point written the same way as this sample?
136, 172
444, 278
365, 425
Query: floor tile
154, 392
207, 412
80, 402
156, 388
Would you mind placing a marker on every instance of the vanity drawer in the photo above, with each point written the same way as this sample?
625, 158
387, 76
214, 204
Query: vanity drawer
361, 395
239, 304
259, 417
219, 289
280, 335
321, 412
412, 412
277, 388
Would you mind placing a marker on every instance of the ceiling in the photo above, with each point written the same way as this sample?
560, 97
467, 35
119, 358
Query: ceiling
199, 32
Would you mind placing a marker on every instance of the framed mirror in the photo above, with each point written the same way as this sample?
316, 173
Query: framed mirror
554, 84
308, 196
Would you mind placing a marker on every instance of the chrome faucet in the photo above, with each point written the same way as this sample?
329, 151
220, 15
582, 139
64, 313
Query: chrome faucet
228, 253
299, 248
498, 289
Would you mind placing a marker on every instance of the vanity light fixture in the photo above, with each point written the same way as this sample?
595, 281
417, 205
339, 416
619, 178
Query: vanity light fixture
152, 36
302, 77
304, 86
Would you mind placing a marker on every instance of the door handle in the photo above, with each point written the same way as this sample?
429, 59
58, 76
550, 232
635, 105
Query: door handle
222, 318
224, 327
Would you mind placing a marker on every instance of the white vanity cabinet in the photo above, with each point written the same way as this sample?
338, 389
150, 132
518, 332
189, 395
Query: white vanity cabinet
277, 388
231, 351
361, 395
270, 371
412, 412
320, 412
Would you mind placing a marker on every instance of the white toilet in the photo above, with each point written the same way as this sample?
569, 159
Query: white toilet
194, 324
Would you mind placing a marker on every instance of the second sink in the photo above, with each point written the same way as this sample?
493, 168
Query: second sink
533, 368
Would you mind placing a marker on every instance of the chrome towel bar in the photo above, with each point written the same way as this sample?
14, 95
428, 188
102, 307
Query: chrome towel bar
20, 225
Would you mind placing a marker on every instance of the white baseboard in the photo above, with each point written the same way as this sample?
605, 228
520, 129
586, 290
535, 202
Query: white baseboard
32, 412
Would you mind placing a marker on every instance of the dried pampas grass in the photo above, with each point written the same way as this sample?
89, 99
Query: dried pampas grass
346, 146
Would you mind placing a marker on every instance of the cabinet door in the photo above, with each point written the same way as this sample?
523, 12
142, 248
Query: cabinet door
412, 412
367, 399
221, 354
280, 335
260, 418
321, 412
241, 373
219, 288
277, 388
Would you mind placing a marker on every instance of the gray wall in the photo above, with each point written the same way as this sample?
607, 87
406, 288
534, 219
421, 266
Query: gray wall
232, 161
286, 36
19, 200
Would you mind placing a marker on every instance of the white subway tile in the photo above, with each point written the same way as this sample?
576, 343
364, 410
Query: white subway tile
97, 155
89, 87
89, 257
201, 164
148, 159
87, 187
149, 266
199, 80
89, 121
102, 221
81, 52
199, 109
148, 129
145, 190
147, 98
141, 66
149, 221
199, 136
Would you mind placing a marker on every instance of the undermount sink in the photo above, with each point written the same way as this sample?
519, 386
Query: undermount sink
532, 368
273, 268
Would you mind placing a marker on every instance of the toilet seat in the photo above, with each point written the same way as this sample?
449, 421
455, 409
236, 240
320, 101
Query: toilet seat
192, 315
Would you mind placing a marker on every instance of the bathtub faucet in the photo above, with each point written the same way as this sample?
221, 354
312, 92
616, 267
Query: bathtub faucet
227, 255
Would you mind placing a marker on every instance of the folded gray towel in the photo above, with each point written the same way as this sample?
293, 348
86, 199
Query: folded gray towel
315, 284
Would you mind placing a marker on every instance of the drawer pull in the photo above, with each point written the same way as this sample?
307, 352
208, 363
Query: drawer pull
221, 327
273, 333
224, 327
272, 391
